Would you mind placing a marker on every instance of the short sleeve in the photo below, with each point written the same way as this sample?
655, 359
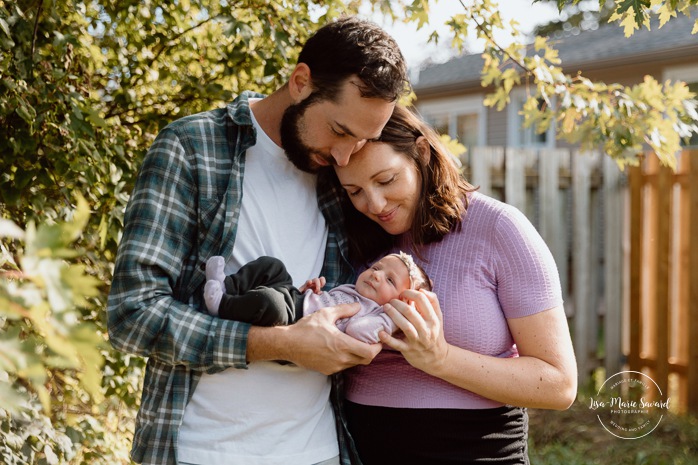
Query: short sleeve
527, 278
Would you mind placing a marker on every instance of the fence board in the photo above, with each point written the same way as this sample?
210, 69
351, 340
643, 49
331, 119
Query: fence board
515, 178
649, 265
613, 199
480, 162
552, 221
692, 362
581, 263
662, 311
680, 300
636, 233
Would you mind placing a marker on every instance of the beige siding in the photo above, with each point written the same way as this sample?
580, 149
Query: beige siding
496, 127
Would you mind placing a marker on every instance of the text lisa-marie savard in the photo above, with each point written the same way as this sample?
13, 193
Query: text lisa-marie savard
618, 402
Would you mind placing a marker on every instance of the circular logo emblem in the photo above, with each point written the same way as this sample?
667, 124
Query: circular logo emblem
629, 405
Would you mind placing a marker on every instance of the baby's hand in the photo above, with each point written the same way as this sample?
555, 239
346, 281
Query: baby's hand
315, 285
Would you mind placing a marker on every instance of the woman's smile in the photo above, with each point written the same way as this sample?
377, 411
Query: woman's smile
388, 216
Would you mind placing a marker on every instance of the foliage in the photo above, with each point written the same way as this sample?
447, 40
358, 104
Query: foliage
39, 301
633, 14
50, 356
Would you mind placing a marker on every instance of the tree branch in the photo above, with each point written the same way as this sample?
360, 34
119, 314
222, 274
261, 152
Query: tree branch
486, 33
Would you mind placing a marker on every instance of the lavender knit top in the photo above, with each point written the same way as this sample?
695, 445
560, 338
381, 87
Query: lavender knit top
496, 267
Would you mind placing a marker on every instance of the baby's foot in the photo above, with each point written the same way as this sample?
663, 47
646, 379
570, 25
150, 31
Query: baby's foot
215, 269
213, 293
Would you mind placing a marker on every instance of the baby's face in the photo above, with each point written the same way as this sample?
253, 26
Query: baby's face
384, 280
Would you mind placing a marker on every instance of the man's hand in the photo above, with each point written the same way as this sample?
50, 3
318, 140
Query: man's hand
314, 342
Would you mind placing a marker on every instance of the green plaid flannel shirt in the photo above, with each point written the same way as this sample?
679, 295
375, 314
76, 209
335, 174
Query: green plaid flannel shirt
184, 208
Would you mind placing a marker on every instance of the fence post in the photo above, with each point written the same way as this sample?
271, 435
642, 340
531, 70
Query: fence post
613, 218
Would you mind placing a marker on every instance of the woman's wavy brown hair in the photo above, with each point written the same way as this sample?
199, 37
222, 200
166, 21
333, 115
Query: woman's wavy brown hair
443, 191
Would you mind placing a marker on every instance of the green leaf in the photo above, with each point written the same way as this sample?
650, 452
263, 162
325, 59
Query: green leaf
26, 112
10, 230
12, 358
5, 28
10, 399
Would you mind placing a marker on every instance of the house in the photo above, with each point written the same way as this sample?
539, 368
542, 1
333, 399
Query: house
450, 97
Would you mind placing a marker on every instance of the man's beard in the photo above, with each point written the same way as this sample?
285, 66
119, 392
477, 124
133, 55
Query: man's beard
296, 150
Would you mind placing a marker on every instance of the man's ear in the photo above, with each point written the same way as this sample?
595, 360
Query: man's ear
424, 148
300, 85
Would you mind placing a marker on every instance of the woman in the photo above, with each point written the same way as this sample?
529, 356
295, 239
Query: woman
494, 342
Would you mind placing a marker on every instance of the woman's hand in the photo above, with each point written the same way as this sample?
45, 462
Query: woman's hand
420, 319
315, 284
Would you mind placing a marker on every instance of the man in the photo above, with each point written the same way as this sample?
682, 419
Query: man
218, 183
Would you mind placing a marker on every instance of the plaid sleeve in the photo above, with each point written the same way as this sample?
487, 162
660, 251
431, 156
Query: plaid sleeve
144, 315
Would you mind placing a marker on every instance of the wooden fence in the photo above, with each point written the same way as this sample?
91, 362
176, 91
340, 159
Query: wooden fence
662, 318
610, 242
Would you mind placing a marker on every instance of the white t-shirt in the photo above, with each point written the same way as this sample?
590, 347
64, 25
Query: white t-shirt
268, 414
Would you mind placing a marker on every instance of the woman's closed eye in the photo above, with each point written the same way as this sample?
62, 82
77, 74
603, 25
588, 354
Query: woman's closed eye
388, 181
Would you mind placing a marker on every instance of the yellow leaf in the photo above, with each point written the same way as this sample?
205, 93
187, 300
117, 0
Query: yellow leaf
509, 78
455, 148
540, 43
628, 23
568, 122
490, 76
44, 397
665, 14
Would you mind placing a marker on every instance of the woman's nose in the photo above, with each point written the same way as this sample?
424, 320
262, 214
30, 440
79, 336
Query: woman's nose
376, 203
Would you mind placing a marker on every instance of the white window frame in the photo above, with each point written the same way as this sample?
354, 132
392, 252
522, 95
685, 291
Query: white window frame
514, 119
685, 73
455, 106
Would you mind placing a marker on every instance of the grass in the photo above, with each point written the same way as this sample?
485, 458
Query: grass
575, 437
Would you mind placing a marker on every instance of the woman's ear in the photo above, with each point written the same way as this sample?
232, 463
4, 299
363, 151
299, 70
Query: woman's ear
299, 84
424, 148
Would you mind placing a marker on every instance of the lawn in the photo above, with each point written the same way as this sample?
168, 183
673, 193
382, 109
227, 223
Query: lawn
575, 437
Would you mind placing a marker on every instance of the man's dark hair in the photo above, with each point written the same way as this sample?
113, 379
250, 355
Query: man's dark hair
352, 46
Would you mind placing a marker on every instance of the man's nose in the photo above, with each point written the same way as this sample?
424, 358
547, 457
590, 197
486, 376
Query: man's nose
342, 152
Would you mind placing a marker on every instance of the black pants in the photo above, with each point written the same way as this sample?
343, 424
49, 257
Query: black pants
404, 436
261, 293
